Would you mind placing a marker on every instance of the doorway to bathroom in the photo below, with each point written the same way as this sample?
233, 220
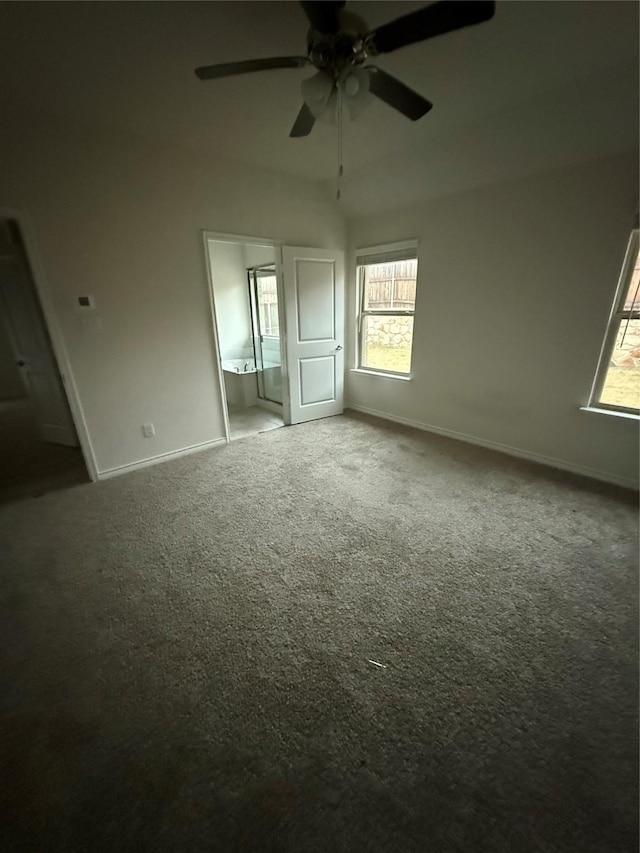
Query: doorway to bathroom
278, 313
247, 315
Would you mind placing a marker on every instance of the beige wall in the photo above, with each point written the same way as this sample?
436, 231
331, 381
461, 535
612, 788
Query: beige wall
121, 219
515, 285
255, 256
231, 294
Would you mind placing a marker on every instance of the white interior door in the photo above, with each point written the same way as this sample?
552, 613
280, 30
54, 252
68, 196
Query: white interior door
314, 315
20, 312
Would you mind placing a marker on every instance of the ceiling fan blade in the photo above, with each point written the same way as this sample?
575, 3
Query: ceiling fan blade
390, 90
229, 69
434, 20
323, 14
303, 124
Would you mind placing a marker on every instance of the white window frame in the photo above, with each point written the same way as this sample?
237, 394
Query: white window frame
616, 317
372, 255
267, 306
269, 309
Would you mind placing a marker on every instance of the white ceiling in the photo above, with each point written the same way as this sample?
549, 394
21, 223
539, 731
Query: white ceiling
130, 65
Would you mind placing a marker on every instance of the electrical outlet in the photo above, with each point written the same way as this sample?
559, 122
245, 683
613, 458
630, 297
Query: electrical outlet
148, 430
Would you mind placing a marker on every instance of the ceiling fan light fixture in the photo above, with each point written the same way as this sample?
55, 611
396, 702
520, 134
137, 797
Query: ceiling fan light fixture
320, 93
329, 114
317, 92
354, 85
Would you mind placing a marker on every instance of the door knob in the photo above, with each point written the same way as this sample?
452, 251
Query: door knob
338, 348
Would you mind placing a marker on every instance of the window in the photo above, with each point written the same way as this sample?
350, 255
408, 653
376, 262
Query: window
387, 289
267, 288
617, 383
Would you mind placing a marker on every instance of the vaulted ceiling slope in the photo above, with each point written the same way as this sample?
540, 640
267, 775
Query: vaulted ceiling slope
540, 84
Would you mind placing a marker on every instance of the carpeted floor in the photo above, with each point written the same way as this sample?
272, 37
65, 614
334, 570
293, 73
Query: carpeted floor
187, 653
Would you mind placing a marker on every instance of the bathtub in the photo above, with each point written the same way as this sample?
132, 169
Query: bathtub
241, 385
237, 365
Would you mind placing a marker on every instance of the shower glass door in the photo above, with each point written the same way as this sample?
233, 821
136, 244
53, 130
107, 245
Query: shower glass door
263, 294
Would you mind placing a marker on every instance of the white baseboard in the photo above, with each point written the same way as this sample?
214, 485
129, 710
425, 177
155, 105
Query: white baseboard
162, 457
549, 461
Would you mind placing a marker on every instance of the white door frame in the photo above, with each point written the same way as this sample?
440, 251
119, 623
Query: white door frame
258, 241
43, 295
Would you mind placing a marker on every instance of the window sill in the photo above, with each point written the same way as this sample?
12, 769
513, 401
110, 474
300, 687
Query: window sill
612, 412
362, 370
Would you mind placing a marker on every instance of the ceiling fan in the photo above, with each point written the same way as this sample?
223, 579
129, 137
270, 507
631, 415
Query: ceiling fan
338, 45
